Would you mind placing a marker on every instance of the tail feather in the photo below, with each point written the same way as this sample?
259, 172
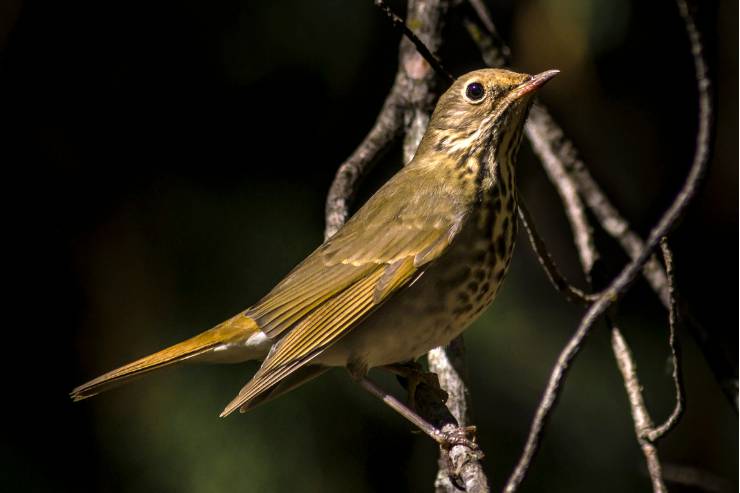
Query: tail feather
291, 382
236, 329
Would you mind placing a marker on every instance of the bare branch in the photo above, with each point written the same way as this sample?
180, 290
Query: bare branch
494, 50
541, 140
411, 93
696, 478
449, 365
640, 415
646, 432
628, 275
658, 432
549, 140
560, 157
415, 117
560, 284
344, 187
482, 13
428, 18
430, 57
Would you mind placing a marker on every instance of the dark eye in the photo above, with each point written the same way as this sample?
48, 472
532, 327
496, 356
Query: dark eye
475, 91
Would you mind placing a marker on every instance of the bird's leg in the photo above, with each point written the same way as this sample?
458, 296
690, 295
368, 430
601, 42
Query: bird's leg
414, 375
400, 408
446, 440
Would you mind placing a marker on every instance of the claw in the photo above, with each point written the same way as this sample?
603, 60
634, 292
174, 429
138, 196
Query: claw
459, 436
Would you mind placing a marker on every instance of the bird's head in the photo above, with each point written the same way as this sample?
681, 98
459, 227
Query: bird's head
482, 109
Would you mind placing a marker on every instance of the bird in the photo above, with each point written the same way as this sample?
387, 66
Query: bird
408, 272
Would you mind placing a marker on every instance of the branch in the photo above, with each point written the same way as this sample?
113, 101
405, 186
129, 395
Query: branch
411, 91
695, 479
571, 175
541, 141
630, 272
430, 57
609, 296
647, 433
560, 284
658, 432
543, 127
449, 365
406, 111
385, 131
640, 415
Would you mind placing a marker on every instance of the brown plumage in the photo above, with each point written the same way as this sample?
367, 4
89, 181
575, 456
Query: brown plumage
408, 272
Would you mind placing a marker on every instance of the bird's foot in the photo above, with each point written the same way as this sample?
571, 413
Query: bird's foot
412, 375
459, 435
458, 448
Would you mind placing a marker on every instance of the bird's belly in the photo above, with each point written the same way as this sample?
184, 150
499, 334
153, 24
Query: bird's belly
431, 312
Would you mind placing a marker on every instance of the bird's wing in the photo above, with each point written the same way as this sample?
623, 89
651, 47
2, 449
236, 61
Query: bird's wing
386, 245
403, 219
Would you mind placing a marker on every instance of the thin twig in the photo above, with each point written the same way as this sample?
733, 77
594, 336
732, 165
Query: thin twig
430, 57
411, 90
640, 416
548, 137
484, 16
647, 433
559, 282
659, 431
541, 140
449, 365
628, 275
696, 478
385, 131
494, 50
583, 238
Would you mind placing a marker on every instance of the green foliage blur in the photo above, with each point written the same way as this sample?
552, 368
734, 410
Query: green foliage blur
172, 160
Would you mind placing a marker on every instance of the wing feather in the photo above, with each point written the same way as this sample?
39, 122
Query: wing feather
383, 248
309, 338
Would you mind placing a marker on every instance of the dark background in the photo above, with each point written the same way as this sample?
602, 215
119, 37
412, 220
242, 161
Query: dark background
165, 163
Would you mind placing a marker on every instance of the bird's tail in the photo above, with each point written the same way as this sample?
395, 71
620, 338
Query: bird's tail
237, 339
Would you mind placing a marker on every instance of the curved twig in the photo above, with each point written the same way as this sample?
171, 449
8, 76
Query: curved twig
574, 171
559, 282
659, 431
385, 131
645, 430
628, 275
640, 416
430, 57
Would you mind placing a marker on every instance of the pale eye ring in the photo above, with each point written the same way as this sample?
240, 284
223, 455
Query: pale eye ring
474, 92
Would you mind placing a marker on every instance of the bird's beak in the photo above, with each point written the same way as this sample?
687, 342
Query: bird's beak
534, 83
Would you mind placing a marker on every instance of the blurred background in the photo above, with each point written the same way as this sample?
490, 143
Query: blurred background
167, 162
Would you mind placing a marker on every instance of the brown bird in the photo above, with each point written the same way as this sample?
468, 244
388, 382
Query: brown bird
407, 273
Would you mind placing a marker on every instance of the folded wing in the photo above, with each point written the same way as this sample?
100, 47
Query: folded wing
385, 246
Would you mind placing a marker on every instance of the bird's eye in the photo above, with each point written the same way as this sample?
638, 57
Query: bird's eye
475, 91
